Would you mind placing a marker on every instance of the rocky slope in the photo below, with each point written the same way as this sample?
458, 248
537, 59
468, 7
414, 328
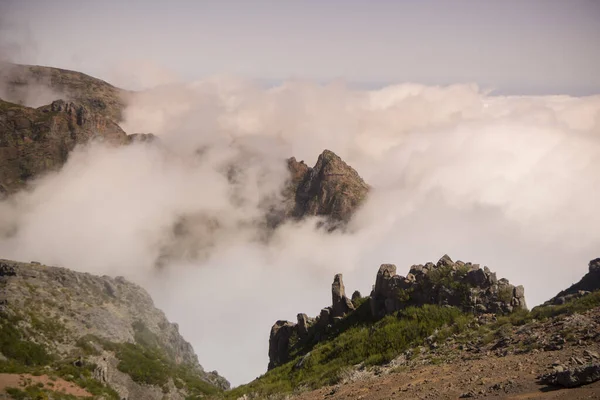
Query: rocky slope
459, 333
465, 286
33, 85
102, 334
37, 140
589, 283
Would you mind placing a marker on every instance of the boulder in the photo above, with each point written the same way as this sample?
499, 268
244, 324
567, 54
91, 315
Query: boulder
573, 377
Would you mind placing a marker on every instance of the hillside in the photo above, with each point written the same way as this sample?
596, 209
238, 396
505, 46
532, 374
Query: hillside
98, 336
460, 332
34, 85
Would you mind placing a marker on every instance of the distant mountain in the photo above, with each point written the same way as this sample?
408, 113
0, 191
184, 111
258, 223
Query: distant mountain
36, 85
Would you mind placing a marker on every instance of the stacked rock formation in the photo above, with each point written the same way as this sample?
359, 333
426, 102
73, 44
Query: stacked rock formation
463, 285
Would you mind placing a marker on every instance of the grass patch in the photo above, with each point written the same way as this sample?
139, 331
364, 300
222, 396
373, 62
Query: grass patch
579, 305
370, 343
20, 351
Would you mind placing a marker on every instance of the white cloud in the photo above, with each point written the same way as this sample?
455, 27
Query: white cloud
509, 182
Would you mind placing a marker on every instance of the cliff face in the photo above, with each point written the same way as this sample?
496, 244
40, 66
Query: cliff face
106, 330
36, 140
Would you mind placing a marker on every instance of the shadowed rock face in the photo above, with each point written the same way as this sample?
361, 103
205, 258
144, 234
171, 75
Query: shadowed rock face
331, 189
37, 140
589, 283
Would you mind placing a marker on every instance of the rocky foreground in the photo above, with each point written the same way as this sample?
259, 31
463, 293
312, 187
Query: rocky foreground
445, 331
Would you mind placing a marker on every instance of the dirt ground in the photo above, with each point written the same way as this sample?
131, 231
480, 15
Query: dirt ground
510, 377
58, 385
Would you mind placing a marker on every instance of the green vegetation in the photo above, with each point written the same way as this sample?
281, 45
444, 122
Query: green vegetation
366, 342
579, 305
37, 393
21, 353
147, 363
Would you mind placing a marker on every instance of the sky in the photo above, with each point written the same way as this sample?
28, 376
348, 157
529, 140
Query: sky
514, 47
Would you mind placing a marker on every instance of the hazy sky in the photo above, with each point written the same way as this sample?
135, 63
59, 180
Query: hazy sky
529, 47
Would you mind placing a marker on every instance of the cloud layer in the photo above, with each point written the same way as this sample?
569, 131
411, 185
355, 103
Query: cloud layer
508, 182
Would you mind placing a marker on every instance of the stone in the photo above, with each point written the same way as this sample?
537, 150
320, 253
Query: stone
341, 305
573, 377
356, 295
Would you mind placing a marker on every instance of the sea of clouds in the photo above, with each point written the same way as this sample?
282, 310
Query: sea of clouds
511, 182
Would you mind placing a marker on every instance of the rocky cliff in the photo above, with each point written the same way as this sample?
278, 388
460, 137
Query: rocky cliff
103, 334
36, 140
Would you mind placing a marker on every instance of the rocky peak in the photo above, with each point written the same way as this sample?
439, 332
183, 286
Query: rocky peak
330, 189
589, 283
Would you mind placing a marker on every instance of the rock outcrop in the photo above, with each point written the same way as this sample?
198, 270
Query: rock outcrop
341, 305
107, 326
37, 140
330, 189
589, 283
279, 342
462, 285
